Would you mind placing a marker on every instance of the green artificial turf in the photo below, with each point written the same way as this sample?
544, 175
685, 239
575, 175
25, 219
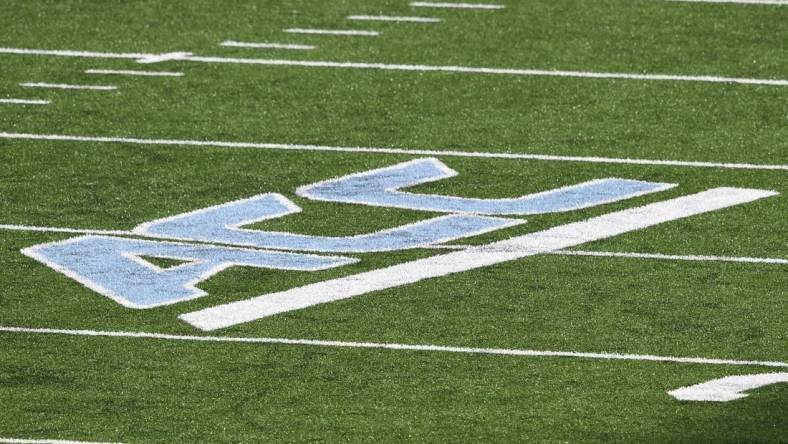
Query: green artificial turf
146, 390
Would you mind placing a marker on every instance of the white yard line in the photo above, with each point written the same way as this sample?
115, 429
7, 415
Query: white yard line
350, 32
234, 44
67, 86
658, 256
122, 72
456, 5
743, 2
180, 56
673, 257
24, 102
552, 239
395, 346
406, 151
389, 18
47, 441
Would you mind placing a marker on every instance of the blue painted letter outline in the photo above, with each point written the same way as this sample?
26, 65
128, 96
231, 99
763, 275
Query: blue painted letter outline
381, 187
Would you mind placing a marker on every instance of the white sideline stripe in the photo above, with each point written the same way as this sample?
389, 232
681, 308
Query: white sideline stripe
702, 258
234, 44
556, 238
671, 257
152, 58
47, 441
744, 2
395, 346
24, 102
66, 86
388, 18
407, 151
729, 388
329, 32
456, 5
134, 73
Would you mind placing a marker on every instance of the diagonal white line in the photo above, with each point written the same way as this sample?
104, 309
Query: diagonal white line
350, 32
185, 56
234, 44
553, 239
395, 346
407, 151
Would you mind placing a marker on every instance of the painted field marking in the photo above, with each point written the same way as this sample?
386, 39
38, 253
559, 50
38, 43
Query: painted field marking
234, 44
24, 102
67, 86
625, 255
389, 18
395, 346
456, 5
673, 257
728, 388
166, 57
332, 32
47, 441
153, 58
553, 239
122, 72
743, 2
406, 151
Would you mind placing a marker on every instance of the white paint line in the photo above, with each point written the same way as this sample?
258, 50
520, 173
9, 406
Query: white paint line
66, 86
122, 72
728, 388
455, 5
46, 441
395, 346
389, 18
492, 71
24, 102
692, 258
553, 239
166, 57
670, 257
73, 53
332, 32
12, 227
149, 58
234, 44
406, 151
743, 2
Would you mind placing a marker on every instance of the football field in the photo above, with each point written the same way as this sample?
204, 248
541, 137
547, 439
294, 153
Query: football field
393, 221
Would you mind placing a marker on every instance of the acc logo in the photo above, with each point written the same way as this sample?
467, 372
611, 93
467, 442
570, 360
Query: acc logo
212, 239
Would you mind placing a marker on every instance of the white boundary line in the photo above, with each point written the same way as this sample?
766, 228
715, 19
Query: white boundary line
389, 18
455, 5
406, 151
395, 346
743, 2
47, 441
349, 32
24, 102
626, 255
235, 44
67, 86
184, 56
122, 72
672, 257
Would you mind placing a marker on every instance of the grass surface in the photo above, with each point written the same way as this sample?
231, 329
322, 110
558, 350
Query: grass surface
132, 390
